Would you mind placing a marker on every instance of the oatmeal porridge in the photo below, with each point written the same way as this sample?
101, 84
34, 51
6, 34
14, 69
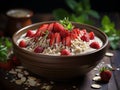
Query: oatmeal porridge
55, 39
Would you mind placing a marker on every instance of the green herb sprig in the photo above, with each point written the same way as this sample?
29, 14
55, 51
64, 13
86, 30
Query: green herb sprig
109, 28
66, 23
80, 11
5, 46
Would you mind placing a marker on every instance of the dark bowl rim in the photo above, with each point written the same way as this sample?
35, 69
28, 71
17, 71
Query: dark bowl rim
52, 56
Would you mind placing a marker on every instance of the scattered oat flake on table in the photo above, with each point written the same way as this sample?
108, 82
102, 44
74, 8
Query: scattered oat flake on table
96, 78
96, 86
118, 69
109, 54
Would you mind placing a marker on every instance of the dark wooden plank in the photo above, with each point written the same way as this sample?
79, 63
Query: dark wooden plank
116, 63
82, 83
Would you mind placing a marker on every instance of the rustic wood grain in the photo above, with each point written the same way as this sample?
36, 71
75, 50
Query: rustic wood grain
81, 83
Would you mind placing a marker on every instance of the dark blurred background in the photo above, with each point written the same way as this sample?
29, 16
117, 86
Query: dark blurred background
47, 6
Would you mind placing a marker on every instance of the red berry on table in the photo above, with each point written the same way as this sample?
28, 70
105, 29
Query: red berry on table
105, 75
22, 43
95, 45
6, 65
38, 49
30, 33
65, 52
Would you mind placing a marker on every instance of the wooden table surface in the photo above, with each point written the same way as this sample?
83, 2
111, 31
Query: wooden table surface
82, 83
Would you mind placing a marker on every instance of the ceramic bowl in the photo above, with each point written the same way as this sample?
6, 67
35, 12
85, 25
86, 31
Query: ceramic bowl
60, 67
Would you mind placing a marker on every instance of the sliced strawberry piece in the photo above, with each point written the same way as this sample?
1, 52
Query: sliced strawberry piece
78, 31
41, 30
49, 35
58, 27
58, 38
95, 45
68, 41
64, 33
91, 35
38, 49
52, 39
22, 44
50, 27
29, 33
65, 52
73, 36
85, 37
74, 31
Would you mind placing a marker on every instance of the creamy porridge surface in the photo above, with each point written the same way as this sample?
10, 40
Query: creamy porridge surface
54, 39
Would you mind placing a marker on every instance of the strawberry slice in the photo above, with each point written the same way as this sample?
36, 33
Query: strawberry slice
91, 35
58, 27
64, 33
58, 38
22, 44
65, 52
68, 41
52, 39
85, 37
73, 36
41, 30
95, 45
76, 31
50, 27
29, 33
38, 49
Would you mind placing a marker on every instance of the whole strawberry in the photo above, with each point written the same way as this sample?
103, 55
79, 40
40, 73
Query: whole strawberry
105, 74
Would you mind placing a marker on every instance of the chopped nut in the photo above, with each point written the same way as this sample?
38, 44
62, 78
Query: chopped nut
18, 70
12, 71
31, 78
23, 79
20, 67
20, 75
26, 73
96, 78
96, 86
109, 54
18, 82
46, 87
32, 83
97, 74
